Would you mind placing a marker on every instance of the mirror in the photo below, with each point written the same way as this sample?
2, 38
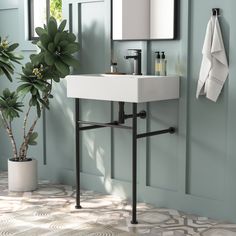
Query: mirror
143, 19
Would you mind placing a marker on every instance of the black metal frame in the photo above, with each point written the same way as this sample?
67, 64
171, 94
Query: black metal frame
31, 17
115, 124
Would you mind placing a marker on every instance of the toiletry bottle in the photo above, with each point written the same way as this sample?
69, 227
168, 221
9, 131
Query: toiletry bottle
163, 64
157, 63
113, 67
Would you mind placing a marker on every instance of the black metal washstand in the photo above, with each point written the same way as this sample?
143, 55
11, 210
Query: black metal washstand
115, 124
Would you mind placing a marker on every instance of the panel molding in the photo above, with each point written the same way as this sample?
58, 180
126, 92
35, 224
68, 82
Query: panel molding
181, 197
25, 44
10, 4
184, 100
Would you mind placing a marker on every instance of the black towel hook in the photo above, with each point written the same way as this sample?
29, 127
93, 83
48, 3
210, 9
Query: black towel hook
215, 11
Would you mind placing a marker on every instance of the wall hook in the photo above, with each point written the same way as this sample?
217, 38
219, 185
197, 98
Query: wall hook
215, 11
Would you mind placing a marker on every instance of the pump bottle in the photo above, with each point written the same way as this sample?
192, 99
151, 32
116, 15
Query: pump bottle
157, 63
163, 64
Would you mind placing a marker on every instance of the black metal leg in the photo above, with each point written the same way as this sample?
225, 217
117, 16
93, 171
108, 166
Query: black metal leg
77, 143
135, 137
134, 166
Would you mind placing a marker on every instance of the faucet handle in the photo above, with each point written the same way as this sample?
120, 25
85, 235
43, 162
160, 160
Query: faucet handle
135, 50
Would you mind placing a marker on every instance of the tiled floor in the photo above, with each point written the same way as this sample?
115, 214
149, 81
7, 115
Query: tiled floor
50, 211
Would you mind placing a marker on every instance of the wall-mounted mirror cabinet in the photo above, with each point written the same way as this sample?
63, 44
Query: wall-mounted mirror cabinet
143, 19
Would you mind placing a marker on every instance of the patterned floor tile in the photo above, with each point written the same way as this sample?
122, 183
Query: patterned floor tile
50, 211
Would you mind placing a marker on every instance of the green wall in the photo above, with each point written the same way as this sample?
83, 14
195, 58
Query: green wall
192, 170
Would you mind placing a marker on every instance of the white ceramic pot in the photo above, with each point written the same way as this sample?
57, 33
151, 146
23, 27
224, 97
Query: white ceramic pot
22, 175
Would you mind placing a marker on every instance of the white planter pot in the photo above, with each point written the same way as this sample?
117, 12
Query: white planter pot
22, 176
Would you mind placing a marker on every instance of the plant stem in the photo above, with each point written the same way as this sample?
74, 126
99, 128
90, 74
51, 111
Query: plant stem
25, 144
10, 134
25, 120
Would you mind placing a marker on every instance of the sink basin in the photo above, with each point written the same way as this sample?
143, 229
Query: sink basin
123, 88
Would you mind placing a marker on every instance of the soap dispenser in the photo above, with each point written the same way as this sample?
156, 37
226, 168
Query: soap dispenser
157, 64
163, 64
113, 67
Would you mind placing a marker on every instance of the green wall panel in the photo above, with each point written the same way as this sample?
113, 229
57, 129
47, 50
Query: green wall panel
163, 159
5, 5
207, 120
9, 29
192, 170
92, 33
94, 143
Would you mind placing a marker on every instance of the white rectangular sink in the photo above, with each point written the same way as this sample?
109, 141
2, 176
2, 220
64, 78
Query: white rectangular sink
123, 88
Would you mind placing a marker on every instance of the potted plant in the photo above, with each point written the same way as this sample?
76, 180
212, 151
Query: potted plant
36, 80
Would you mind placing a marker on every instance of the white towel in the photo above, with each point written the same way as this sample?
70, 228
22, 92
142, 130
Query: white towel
214, 68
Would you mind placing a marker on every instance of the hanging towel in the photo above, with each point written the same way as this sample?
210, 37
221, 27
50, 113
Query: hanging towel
214, 68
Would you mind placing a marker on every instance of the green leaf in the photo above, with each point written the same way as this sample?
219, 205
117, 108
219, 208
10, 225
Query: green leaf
56, 79
22, 87
7, 64
38, 109
40, 31
62, 25
32, 138
12, 47
37, 59
15, 60
33, 91
57, 37
25, 90
15, 55
39, 87
52, 18
34, 59
18, 109
8, 75
40, 45
6, 92
63, 43
44, 39
9, 105
51, 47
71, 37
49, 58
52, 27
5, 54
33, 101
33, 143
70, 61
62, 68
71, 48
27, 70
4, 60
34, 135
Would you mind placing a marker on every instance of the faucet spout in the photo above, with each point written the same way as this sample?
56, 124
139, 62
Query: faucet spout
137, 60
131, 57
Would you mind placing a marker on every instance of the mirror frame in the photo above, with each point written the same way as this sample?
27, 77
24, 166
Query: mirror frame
175, 26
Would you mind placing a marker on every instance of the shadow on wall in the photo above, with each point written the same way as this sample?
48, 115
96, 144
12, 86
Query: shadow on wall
61, 118
92, 49
60, 133
96, 146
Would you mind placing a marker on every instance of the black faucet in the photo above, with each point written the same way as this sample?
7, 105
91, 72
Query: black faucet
137, 60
